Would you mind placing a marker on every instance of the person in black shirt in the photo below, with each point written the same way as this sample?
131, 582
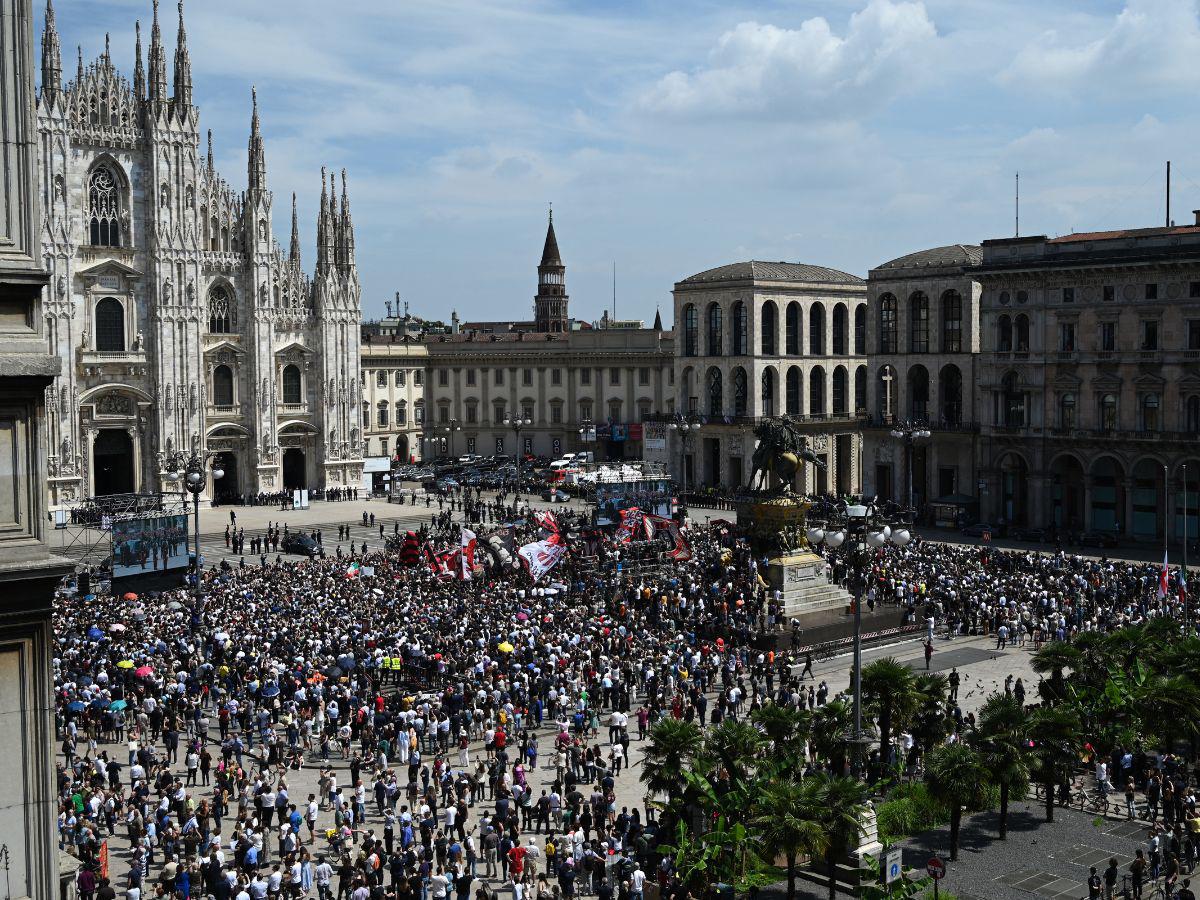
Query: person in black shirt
1093, 885
1110, 879
1186, 892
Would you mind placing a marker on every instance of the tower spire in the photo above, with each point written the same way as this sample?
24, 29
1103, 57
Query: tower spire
257, 180
157, 62
79, 64
107, 49
323, 227
51, 56
139, 72
550, 304
347, 228
183, 68
210, 153
294, 250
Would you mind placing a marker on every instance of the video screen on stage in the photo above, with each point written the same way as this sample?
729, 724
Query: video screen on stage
145, 546
652, 495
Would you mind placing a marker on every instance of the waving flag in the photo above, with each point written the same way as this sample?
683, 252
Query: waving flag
353, 570
467, 554
1183, 585
546, 520
633, 525
1163, 577
542, 556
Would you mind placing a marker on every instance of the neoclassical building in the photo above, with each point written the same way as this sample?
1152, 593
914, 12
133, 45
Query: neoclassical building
1089, 381
923, 343
762, 339
180, 320
393, 406
579, 387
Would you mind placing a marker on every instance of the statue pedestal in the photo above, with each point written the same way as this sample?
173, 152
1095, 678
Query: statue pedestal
868, 839
800, 577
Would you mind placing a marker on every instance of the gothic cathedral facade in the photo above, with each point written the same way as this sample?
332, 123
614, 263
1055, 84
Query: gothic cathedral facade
181, 322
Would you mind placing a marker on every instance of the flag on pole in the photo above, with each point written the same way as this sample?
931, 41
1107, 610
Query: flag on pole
467, 557
1182, 585
1163, 578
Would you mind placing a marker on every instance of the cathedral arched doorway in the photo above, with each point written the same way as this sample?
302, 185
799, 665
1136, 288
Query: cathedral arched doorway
226, 487
112, 462
294, 469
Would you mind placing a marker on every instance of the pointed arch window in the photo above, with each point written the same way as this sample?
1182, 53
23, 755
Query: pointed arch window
222, 316
104, 208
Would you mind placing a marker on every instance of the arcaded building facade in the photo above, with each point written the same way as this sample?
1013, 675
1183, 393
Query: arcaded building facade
1090, 381
180, 321
923, 342
757, 340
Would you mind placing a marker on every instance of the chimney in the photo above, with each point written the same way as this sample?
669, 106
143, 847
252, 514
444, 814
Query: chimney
1196, 213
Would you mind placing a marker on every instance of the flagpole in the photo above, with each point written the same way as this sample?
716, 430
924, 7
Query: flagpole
1185, 517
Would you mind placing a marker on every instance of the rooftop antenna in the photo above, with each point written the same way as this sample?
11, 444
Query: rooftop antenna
1168, 193
614, 290
1017, 208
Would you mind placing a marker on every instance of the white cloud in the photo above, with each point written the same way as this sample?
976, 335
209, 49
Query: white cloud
1149, 43
809, 70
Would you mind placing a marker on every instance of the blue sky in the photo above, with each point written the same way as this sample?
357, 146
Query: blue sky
676, 136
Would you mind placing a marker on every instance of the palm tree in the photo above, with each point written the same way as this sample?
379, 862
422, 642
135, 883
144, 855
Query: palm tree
830, 725
788, 820
671, 746
931, 718
955, 775
733, 745
1001, 740
840, 803
1052, 659
888, 685
1054, 734
786, 731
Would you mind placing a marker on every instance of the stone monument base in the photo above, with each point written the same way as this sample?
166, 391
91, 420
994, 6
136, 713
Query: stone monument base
800, 577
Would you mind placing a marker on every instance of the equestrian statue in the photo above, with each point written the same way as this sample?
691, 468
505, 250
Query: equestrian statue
780, 451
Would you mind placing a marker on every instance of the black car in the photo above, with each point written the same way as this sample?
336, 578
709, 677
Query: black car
301, 544
1102, 539
1037, 535
978, 529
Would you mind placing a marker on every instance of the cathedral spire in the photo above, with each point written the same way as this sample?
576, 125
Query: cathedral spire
51, 56
323, 227
257, 176
337, 245
79, 67
294, 249
157, 62
183, 69
347, 228
107, 49
139, 72
210, 153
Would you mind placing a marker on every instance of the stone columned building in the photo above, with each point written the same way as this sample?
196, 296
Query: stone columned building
180, 320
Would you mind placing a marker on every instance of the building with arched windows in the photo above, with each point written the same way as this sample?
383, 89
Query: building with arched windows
1089, 382
759, 340
180, 321
923, 344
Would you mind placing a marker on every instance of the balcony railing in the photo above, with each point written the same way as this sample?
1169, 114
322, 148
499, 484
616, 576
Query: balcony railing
951, 425
293, 407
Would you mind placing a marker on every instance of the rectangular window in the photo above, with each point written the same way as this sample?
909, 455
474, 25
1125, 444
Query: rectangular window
1193, 334
585, 376
443, 378
614, 375
419, 414
472, 414
1108, 336
498, 376
383, 446
443, 414
527, 412
527, 377
470, 377
643, 412
401, 414
643, 376
556, 414
1110, 293
585, 412
1194, 289
1152, 292
1066, 336
418, 377
1150, 334
1068, 295
556, 376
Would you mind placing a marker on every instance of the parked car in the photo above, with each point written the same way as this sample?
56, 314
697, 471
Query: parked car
1037, 535
1102, 539
978, 529
554, 495
300, 543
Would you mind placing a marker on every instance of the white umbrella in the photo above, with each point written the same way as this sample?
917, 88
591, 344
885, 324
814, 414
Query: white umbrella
116, 626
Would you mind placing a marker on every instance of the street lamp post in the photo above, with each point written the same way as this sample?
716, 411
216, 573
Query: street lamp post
686, 429
190, 469
867, 532
910, 434
516, 423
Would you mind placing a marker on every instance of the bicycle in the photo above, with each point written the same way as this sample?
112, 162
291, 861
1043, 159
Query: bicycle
1089, 801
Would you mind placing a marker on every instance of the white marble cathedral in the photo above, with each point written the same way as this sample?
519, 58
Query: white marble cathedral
180, 321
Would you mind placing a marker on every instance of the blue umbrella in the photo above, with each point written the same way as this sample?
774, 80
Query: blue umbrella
117, 704
89, 596
75, 706
270, 689
94, 633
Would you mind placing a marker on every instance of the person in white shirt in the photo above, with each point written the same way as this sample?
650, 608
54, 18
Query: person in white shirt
324, 877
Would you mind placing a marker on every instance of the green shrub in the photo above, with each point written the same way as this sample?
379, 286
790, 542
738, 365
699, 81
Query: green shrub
909, 809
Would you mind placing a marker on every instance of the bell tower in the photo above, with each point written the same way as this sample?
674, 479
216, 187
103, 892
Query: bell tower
550, 304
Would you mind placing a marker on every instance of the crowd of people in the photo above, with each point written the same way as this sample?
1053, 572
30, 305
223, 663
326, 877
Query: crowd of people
299, 729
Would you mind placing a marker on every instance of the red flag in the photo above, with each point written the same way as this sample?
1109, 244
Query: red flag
467, 554
1163, 577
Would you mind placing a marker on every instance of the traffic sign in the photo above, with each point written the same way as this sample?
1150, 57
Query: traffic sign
936, 869
893, 867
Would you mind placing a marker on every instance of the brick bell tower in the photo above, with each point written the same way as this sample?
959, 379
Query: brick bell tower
550, 304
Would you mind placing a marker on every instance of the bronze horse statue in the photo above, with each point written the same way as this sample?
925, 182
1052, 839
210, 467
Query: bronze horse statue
780, 451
